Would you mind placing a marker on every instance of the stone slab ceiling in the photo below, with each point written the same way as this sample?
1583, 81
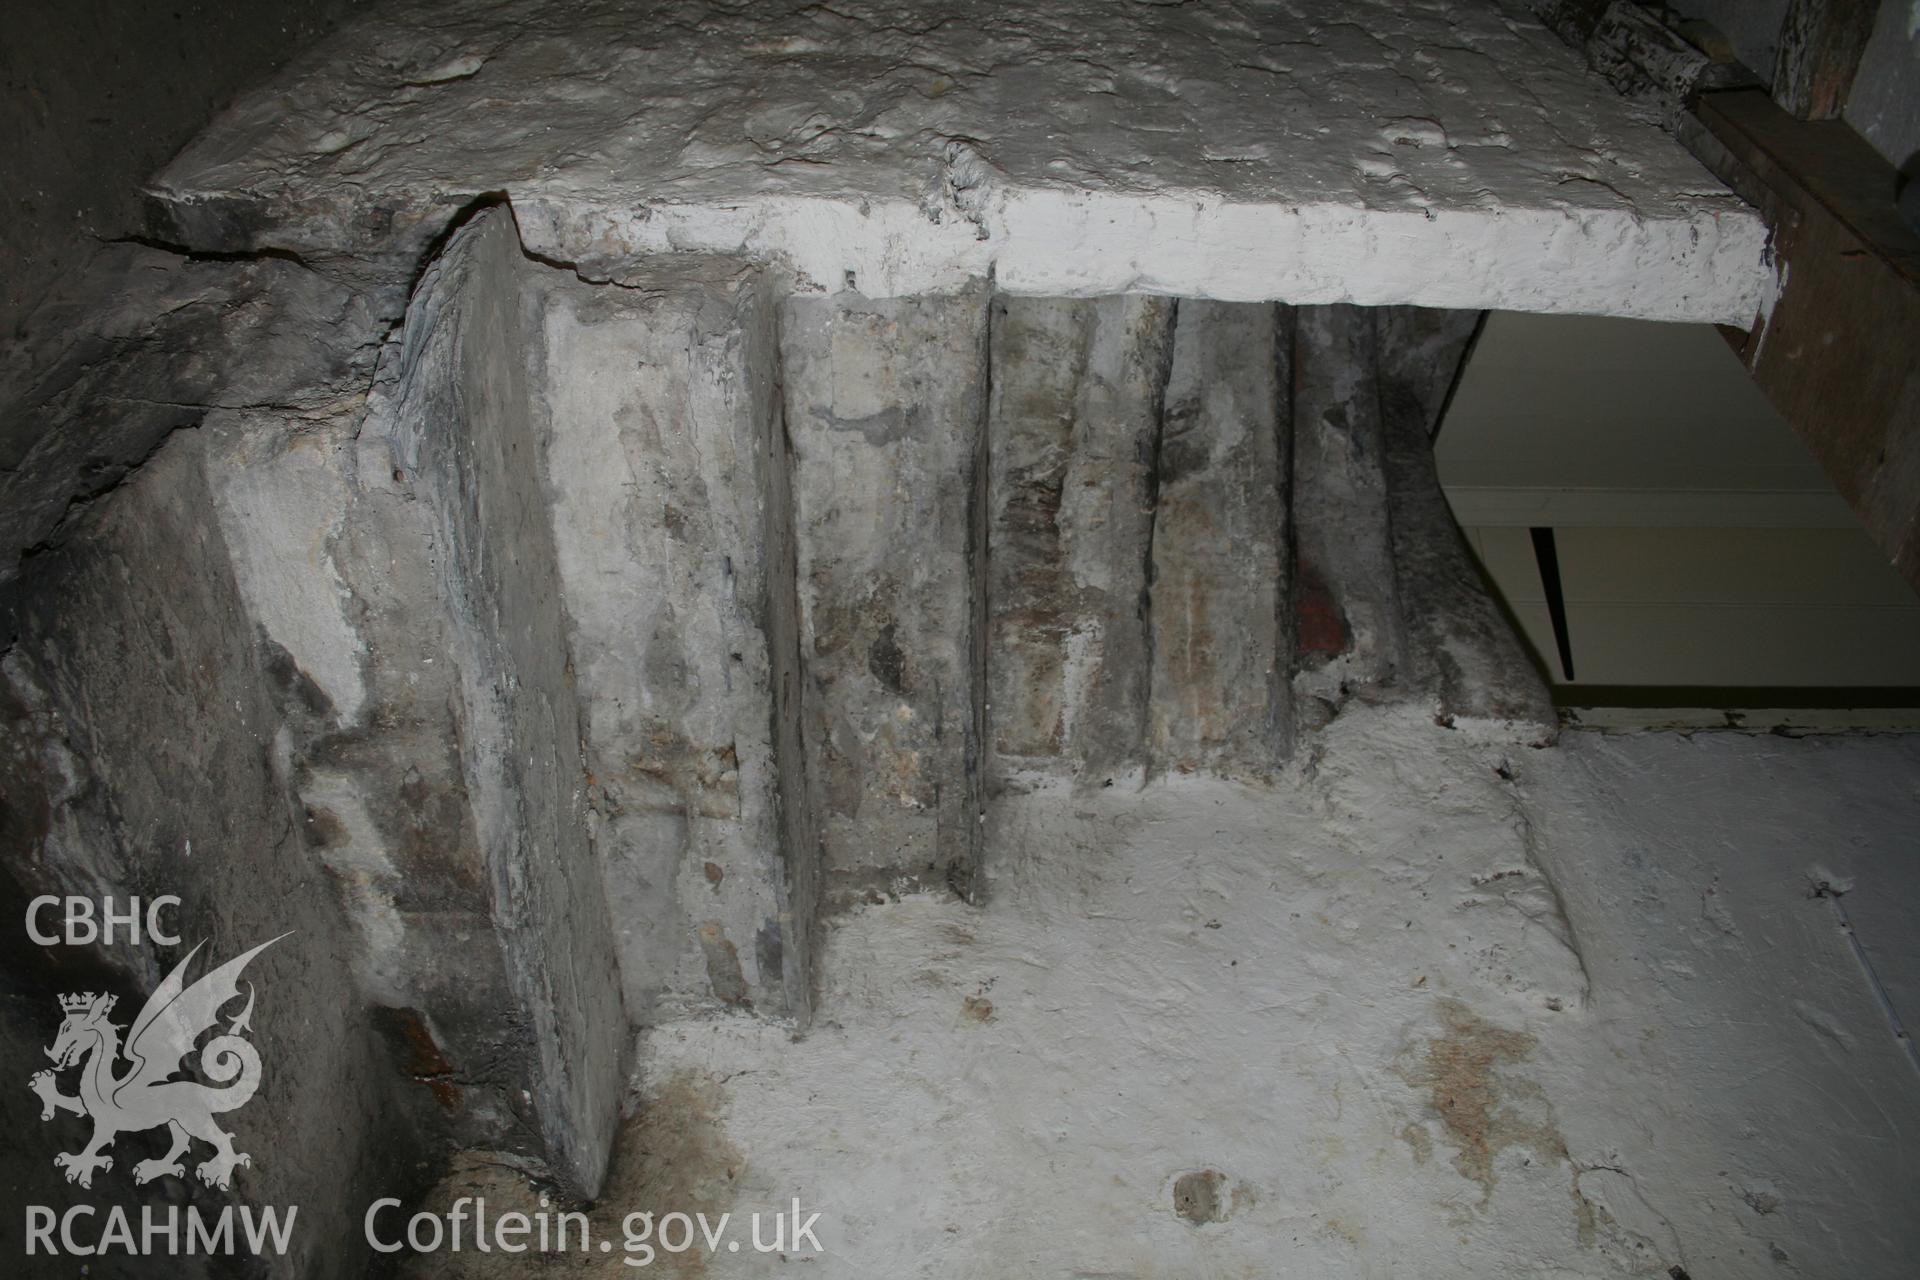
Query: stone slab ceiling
1308, 151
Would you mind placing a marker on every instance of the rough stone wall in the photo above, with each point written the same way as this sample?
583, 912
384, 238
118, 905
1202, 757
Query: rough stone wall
146, 754
148, 342
1220, 625
640, 602
1033, 538
1077, 393
337, 564
1389, 602
392, 561
1350, 631
804, 889
460, 428
1422, 354
885, 405
660, 437
1203, 511
633, 615
1460, 645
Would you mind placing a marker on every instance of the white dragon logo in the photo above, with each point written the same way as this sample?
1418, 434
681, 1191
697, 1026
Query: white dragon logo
146, 1096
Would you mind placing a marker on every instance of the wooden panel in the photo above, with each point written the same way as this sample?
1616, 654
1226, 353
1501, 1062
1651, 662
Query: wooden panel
1839, 356
1820, 46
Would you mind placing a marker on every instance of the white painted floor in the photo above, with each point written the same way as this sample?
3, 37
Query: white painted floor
1356, 999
